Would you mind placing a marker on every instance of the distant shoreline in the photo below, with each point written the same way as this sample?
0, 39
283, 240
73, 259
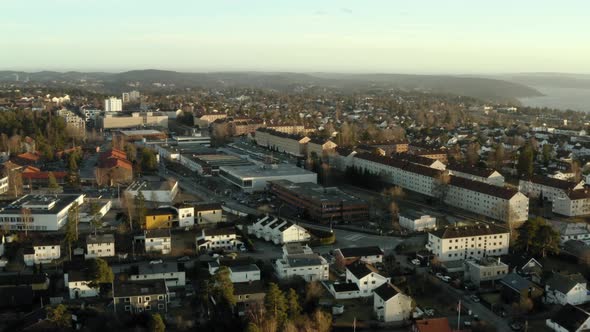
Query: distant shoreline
560, 98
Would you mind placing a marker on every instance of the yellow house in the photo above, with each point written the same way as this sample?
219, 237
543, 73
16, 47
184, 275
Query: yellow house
159, 218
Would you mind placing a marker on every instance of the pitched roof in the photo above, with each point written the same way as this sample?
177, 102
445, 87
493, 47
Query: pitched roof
136, 288
433, 325
516, 282
386, 291
570, 317
252, 287
361, 270
361, 251
484, 188
478, 230
564, 283
470, 169
552, 182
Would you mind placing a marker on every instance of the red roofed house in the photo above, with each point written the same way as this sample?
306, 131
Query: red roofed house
113, 167
27, 158
33, 176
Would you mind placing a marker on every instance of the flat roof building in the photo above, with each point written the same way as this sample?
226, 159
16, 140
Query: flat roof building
256, 178
38, 212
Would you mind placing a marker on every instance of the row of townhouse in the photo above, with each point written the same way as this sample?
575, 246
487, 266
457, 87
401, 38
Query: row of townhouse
568, 198
278, 231
496, 202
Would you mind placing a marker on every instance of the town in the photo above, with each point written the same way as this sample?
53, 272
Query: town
259, 210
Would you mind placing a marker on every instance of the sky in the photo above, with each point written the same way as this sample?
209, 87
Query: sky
390, 36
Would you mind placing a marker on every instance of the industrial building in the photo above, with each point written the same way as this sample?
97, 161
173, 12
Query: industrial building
256, 178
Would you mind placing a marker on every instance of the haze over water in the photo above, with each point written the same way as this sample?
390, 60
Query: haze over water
560, 98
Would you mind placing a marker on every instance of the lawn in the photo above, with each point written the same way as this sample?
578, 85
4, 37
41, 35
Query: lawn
361, 309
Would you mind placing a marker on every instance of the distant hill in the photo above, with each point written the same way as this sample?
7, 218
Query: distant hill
478, 87
550, 80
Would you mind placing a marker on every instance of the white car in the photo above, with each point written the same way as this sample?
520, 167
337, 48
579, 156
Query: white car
416, 261
159, 261
446, 278
439, 275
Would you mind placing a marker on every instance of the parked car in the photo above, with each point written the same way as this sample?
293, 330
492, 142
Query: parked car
446, 278
474, 298
439, 275
157, 261
416, 261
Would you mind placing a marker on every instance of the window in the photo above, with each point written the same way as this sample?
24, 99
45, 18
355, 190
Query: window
127, 300
127, 308
148, 307
160, 306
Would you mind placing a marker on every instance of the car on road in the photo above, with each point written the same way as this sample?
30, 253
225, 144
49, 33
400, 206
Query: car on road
474, 298
157, 261
416, 261
439, 275
516, 326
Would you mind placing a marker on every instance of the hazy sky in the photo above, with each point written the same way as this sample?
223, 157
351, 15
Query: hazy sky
409, 36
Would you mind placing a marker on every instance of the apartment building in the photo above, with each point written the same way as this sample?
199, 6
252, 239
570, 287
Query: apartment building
110, 121
291, 129
319, 147
44, 212
485, 175
499, 203
136, 297
469, 242
293, 144
100, 245
113, 104
568, 198
169, 272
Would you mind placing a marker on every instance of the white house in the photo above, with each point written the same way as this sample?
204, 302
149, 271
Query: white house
415, 222
299, 260
186, 214
390, 304
100, 245
569, 319
79, 283
42, 253
278, 231
571, 231
344, 290
566, 289
3, 185
167, 271
208, 213
238, 272
367, 255
473, 242
218, 239
158, 241
366, 277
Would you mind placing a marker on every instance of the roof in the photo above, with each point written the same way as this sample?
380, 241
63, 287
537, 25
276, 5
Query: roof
360, 270
255, 171
468, 231
552, 182
345, 287
316, 193
252, 287
22, 279
40, 204
564, 283
207, 206
570, 317
484, 188
433, 325
147, 268
220, 231
304, 260
386, 291
136, 288
244, 268
154, 233
401, 164
470, 169
160, 211
100, 238
516, 282
361, 251
43, 175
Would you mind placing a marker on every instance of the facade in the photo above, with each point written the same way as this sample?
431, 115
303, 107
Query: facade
185, 214
110, 121
249, 296
256, 178
278, 231
365, 255
547, 188
169, 272
154, 191
390, 304
239, 272
208, 213
475, 242
485, 175
319, 147
574, 203
499, 203
113, 104
134, 297
300, 261
3, 185
566, 289
43, 212
78, 280
571, 231
416, 222
291, 143
218, 239
158, 241
100, 245
74, 124
366, 277
322, 204
159, 218
484, 270
42, 252
204, 120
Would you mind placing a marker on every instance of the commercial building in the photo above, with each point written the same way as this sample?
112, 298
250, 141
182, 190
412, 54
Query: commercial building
473, 242
209, 164
113, 104
154, 191
416, 222
111, 121
38, 212
256, 178
300, 261
322, 204
141, 134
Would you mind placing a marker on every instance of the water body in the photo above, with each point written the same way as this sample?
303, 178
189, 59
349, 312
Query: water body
560, 98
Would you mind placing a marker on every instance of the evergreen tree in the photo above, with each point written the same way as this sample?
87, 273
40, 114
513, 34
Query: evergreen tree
52, 182
294, 309
525, 161
276, 304
140, 209
223, 288
157, 323
60, 316
101, 272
